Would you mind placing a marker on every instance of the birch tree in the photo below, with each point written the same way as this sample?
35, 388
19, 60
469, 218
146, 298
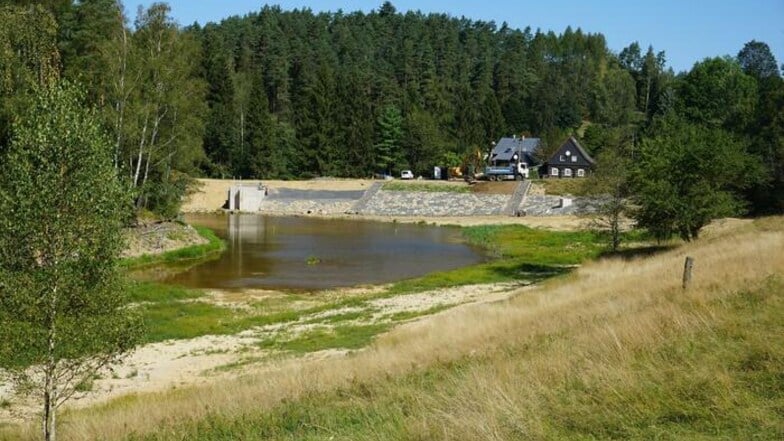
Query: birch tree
63, 311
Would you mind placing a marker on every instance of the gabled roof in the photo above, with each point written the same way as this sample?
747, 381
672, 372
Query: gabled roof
507, 147
576, 144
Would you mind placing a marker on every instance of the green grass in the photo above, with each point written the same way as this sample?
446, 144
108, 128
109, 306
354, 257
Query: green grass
408, 315
339, 337
562, 187
213, 247
517, 252
139, 292
721, 380
425, 186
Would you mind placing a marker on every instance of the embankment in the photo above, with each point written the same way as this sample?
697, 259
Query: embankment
412, 200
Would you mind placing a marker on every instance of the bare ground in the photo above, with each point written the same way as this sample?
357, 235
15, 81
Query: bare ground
159, 237
176, 363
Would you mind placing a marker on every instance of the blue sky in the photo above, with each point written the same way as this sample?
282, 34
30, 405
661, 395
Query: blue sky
687, 30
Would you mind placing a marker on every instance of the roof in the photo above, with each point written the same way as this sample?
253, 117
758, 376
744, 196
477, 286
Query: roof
576, 144
507, 147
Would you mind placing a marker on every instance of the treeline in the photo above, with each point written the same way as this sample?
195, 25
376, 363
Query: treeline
294, 94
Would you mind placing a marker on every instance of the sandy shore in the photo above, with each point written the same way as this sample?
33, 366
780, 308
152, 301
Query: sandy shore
210, 358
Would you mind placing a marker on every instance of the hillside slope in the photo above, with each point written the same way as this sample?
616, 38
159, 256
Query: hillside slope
616, 350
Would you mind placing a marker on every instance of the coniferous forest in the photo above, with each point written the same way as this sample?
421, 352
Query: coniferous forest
299, 94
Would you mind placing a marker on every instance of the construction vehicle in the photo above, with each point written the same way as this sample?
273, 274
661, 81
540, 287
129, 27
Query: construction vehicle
510, 159
517, 170
471, 164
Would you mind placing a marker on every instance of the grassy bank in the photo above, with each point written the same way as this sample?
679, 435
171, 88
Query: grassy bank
711, 370
618, 350
562, 187
519, 253
426, 186
214, 246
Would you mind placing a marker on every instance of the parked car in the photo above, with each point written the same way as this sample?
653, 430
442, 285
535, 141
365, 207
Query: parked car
406, 174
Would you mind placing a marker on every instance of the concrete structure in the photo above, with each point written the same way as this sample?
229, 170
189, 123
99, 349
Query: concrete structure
246, 198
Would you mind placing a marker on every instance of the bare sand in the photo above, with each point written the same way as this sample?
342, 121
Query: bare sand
177, 363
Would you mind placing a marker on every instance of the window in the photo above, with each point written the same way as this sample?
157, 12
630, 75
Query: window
580, 173
562, 158
568, 172
574, 158
553, 171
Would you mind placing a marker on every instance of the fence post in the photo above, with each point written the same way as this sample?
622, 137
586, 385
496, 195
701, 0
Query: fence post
687, 267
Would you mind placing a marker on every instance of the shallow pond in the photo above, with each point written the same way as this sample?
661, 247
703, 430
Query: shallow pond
308, 253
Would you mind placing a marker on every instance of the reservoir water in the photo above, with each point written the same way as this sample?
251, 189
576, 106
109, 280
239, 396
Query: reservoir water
310, 253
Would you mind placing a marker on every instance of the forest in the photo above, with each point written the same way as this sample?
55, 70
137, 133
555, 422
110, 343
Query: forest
299, 94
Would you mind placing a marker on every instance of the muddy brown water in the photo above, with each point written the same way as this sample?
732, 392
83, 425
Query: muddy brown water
308, 253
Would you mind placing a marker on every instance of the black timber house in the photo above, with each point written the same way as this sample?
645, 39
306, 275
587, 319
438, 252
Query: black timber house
569, 161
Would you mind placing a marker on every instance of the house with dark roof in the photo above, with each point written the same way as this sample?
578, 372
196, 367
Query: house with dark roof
511, 150
569, 161
511, 158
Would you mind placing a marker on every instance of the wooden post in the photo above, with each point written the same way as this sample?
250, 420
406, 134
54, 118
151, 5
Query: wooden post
687, 267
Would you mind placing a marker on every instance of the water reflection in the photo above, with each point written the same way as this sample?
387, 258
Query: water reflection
280, 252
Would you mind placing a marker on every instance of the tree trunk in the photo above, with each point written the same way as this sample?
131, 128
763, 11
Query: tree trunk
49, 420
141, 153
120, 107
50, 378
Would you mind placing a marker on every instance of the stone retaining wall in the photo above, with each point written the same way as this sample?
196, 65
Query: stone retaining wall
540, 205
425, 203
303, 206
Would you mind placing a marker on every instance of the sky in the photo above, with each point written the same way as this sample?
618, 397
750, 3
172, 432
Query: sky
687, 30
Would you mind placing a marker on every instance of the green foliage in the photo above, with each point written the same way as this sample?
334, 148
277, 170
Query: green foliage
611, 180
687, 175
767, 142
62, 301
28, 59
387, 149
756, 60
717, 93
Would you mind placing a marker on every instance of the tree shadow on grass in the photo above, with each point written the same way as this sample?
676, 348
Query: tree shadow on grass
530, 271
637, 252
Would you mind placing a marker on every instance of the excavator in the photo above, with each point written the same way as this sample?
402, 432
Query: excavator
473, 164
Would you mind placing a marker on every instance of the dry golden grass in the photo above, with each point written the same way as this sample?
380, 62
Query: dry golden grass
589, 328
